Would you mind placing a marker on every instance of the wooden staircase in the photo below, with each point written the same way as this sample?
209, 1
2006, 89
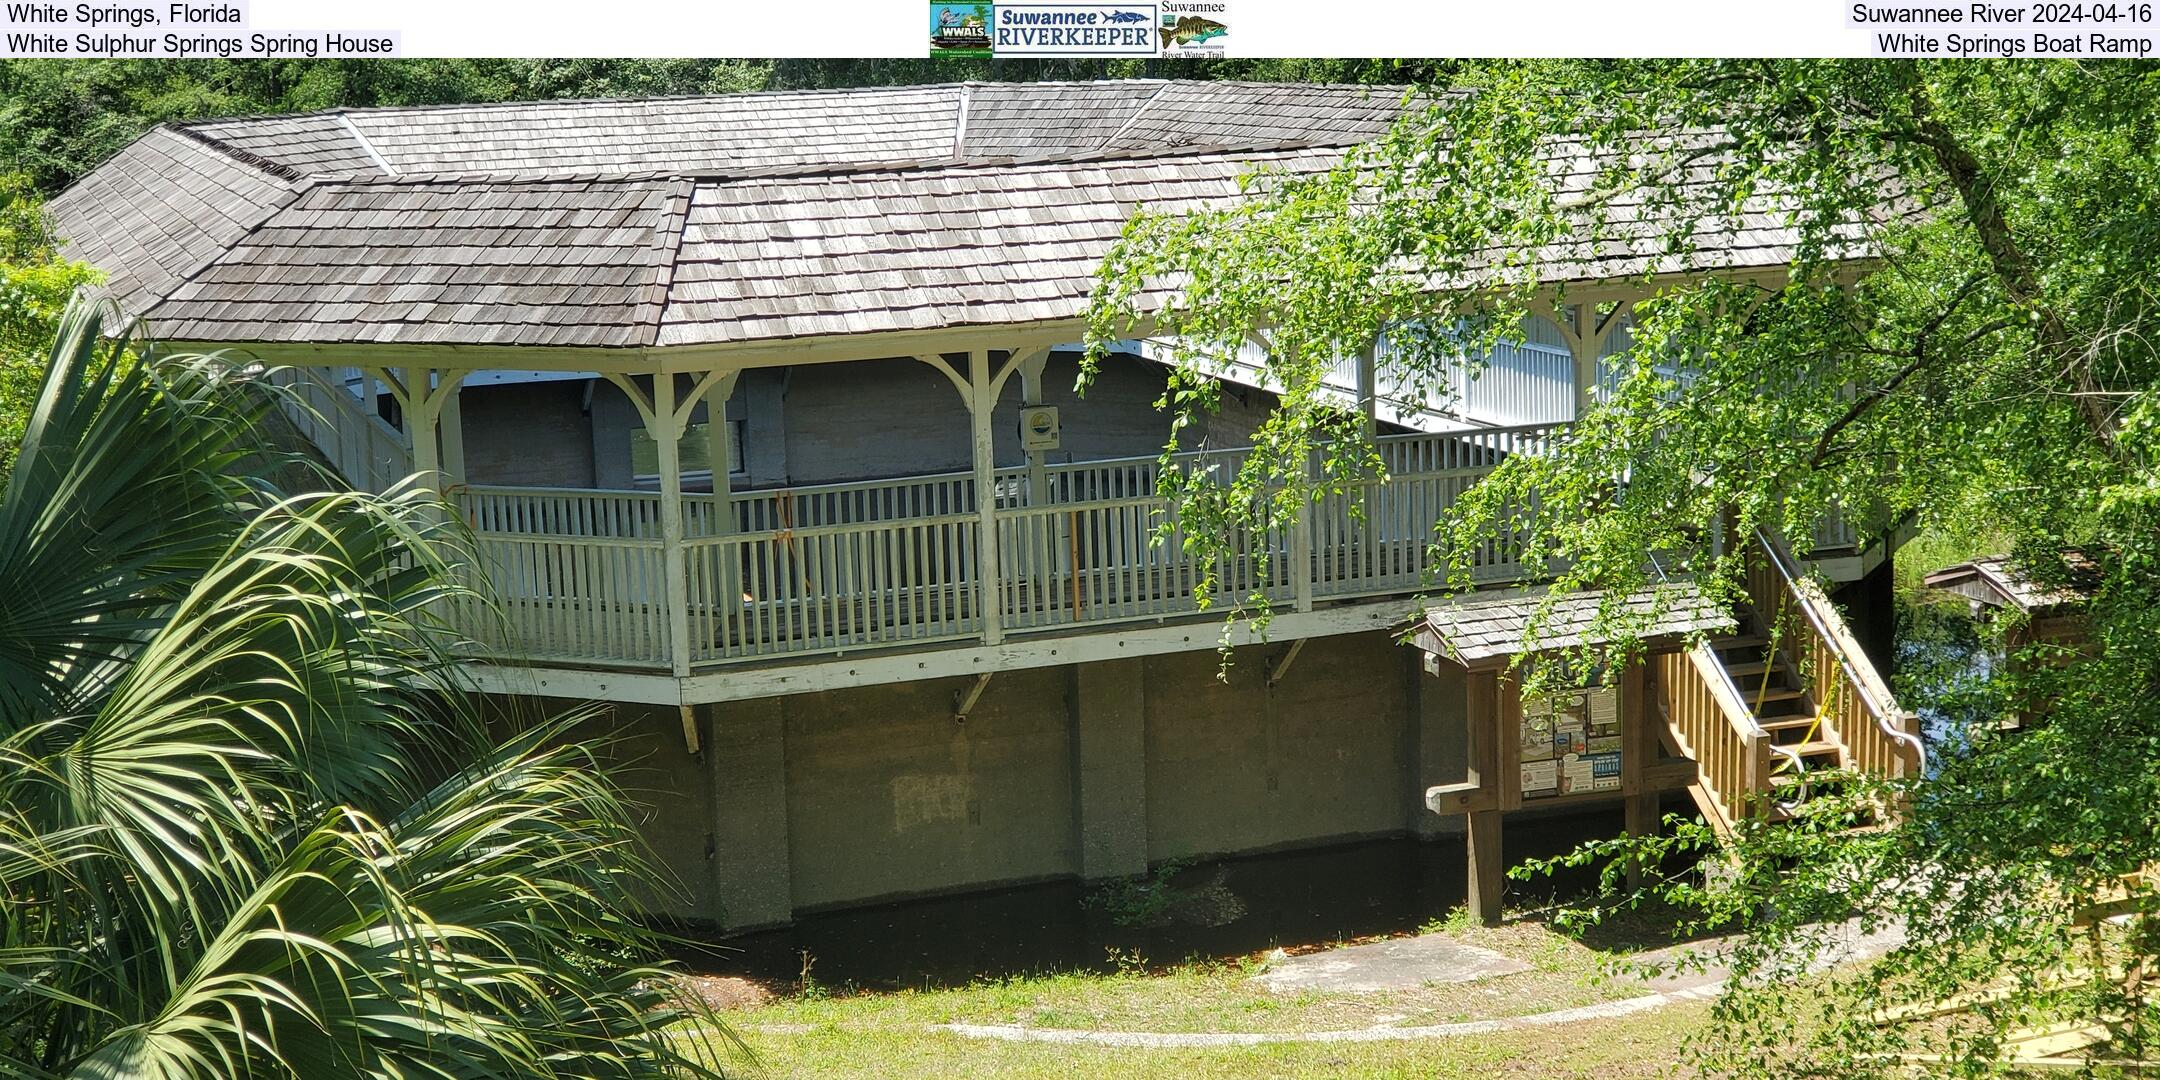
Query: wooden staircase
366, 450
1768, 711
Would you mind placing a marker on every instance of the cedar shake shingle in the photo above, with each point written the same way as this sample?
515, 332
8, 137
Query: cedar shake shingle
1477, 631
729, 219
160, 209
498, 262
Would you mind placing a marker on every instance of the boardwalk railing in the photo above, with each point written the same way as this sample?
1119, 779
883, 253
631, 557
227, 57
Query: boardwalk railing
581, 573
363, 447
1712, 725
1858, 712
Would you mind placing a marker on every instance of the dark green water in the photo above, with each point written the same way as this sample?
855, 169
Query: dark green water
1226, 907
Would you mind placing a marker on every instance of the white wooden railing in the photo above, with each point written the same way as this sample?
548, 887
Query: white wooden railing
581, 577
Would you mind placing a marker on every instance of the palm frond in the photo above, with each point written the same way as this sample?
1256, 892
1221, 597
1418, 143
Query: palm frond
249, 823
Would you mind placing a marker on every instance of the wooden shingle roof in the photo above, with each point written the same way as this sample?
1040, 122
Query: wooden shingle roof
806, 129
735, 132
160, 210
1482, 632
924, 248
1998, 581
1041, 120
508, 261
722, 220
320, 144
1258, 114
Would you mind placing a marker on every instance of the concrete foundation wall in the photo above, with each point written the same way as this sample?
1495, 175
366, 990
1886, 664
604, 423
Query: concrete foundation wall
1092, 771
1235, 766
887, 794
674, 794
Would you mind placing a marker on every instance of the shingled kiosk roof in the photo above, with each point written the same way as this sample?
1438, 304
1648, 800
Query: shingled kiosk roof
1483, 632
1997, 581
713, 220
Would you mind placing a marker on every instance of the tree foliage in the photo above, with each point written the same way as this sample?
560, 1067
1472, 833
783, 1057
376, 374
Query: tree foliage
35, 285
1989, 376
249, 825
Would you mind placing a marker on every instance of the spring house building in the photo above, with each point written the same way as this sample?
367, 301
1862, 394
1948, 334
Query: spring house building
761, 410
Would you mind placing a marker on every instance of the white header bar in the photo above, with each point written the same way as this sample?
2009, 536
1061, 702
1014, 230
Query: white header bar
1240, 28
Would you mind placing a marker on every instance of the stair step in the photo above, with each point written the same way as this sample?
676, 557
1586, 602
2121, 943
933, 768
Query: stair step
1812, 749
1797, 722
1739, 641
1753, 667
1774, 693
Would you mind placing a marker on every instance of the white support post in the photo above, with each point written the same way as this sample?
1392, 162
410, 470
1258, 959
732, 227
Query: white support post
666, 422
990, 602
411, 390
718, 450
1301, 547
979, 389
453, 436
425, 395
1583, 341
1301, 533
1368, 389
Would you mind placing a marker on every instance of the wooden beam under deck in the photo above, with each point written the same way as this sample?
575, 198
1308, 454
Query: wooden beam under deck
813, 674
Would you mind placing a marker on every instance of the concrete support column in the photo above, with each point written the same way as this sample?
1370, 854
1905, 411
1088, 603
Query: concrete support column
1109, 746
747, 753
1440, 743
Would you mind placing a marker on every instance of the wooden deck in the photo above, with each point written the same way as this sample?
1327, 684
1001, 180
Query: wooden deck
581, 575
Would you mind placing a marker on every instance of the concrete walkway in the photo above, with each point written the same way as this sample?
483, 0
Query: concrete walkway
1379, 966
1675, 987
1603, 1010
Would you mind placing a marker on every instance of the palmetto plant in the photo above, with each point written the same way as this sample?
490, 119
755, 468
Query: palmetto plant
248, 824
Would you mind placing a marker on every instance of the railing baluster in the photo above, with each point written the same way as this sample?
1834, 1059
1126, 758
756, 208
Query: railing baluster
890, 561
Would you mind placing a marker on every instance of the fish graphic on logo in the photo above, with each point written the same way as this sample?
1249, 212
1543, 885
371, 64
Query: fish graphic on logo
1190, 30
1125, 17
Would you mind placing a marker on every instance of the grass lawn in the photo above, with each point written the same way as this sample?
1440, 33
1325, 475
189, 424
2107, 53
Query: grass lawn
833, 1034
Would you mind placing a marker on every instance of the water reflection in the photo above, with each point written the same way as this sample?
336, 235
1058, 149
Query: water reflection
1247, 904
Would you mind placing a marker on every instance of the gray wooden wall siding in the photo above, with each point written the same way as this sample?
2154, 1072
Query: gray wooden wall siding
829, 423
528, 435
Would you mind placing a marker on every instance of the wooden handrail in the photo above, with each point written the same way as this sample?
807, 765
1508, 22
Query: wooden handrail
1712, 726
1857, 707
